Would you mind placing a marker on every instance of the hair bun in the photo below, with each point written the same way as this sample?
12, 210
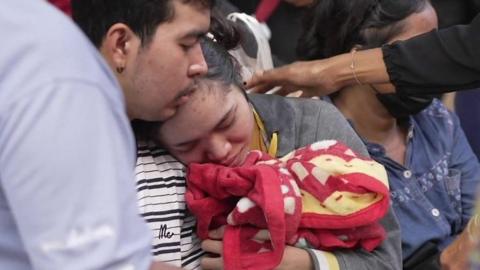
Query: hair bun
224, 31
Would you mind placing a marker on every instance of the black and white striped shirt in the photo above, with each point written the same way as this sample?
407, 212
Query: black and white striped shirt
161, 198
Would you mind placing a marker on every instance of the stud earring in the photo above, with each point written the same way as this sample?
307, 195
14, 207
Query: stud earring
120, 70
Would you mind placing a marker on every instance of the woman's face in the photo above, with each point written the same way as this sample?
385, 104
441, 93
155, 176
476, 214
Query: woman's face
214, 126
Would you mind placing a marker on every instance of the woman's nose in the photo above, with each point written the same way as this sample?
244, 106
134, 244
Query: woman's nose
219, 149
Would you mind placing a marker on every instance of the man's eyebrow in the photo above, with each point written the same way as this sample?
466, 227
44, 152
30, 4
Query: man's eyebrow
195, 34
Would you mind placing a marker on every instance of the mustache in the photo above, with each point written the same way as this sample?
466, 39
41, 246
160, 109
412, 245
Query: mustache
187, 91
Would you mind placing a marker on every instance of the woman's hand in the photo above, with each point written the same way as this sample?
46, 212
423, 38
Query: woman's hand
293, 257
214, 248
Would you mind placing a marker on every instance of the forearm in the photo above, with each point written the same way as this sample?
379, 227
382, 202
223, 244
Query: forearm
367, 65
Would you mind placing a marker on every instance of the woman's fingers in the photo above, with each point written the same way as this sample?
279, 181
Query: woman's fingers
264, 80
217, 234
211, 263
212, 246
213, 259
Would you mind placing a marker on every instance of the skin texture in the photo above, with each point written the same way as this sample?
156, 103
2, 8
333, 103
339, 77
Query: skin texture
159, 76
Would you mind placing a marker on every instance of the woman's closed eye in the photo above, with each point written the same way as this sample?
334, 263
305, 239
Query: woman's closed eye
225, 125
227, 122
184, 147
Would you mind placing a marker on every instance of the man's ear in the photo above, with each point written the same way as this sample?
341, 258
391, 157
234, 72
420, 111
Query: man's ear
120, 44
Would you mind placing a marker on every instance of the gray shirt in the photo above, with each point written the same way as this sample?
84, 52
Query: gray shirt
67, 196
304, 121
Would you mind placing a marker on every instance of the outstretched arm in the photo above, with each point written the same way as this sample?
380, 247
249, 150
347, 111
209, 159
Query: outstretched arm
435, 62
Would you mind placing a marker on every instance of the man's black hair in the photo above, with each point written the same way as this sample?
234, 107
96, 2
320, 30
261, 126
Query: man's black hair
95, 17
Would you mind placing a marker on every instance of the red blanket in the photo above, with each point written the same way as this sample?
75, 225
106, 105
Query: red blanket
322, 196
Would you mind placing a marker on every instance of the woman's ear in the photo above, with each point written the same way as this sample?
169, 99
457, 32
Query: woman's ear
119, 45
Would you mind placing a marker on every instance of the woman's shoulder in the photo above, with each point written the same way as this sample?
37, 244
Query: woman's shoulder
303, 105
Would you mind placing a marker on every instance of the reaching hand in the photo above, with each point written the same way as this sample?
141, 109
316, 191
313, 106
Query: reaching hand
311, 77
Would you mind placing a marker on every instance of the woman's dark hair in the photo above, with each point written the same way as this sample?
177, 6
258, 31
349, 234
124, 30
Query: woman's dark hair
334, 27
222, 66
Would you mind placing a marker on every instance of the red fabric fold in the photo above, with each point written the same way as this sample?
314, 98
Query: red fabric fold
261, 203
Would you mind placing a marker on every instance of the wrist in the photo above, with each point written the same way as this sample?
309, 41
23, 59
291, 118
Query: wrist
368, 68
339, 71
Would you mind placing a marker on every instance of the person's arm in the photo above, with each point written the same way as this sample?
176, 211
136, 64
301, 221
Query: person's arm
66, 166
325, 76
435, 62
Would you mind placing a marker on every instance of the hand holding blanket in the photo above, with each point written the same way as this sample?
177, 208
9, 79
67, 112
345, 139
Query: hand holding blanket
322, 196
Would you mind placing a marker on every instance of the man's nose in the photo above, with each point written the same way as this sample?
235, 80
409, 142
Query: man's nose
198, 66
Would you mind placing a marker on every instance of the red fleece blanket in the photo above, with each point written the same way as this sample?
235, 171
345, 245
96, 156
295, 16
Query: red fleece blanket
322, 196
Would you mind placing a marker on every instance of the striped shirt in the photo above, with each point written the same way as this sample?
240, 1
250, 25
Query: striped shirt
160, 180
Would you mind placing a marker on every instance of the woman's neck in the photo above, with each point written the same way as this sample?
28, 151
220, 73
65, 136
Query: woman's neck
370, 118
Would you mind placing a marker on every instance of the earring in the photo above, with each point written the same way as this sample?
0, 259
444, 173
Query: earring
120, 70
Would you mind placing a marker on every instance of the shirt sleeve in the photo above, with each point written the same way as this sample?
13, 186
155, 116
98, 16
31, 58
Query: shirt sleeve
436, 62
66, 166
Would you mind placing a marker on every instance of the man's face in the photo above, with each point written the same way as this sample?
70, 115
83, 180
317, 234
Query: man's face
162, 74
